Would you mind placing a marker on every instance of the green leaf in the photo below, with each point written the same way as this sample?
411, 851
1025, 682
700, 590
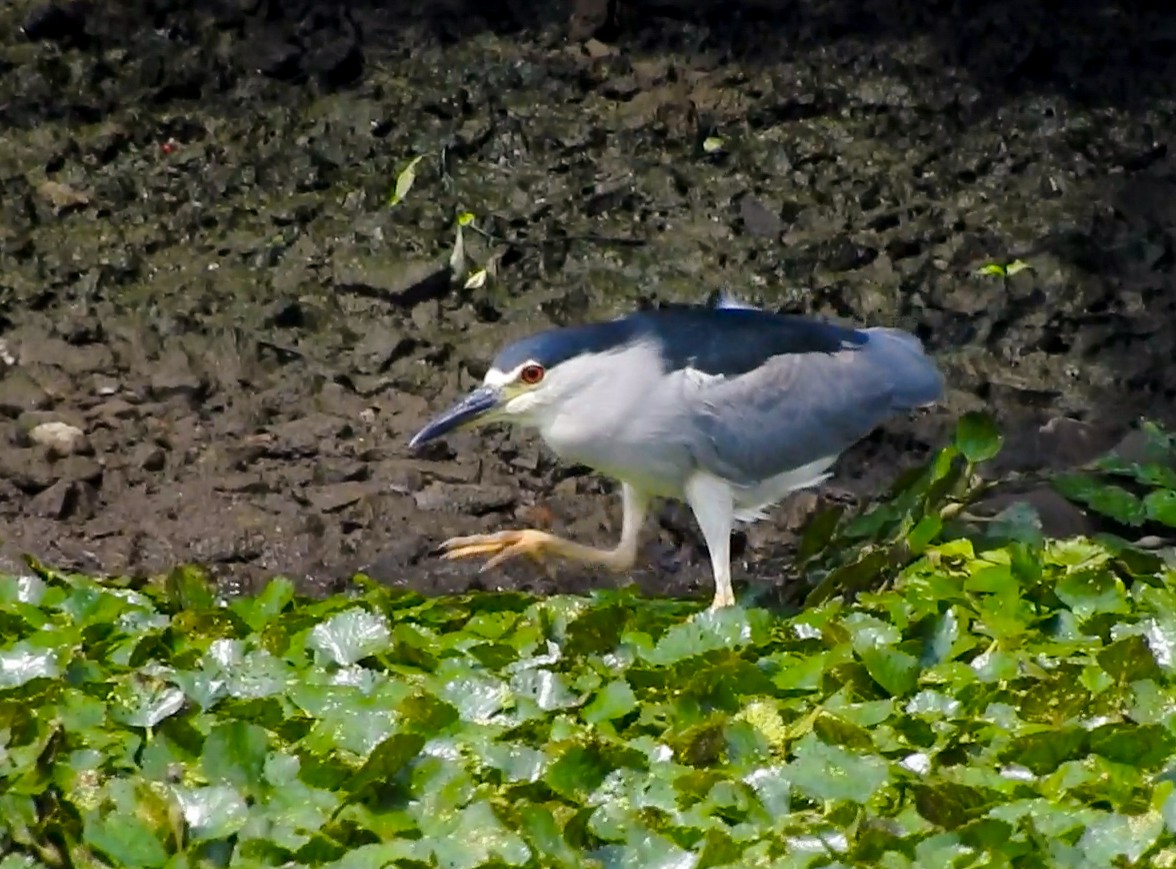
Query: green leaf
614, 700
1106, 498
22, 662
385, 763
126, 841
818, 532
977, 437
1141, 745
1113, 836
350, 636
896, 671
992, 270
708, 631
260, 611
424, 713
214, 812
189, 588
234, 753
1128, 660
145, 702
1160, 506
1091, 592
827, 772
404, 181
950, 805
577, 772
1042, 751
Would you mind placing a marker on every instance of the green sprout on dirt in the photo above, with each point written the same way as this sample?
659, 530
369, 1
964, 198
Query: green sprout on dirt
458, 256
962, 701
1002, 270
404, 181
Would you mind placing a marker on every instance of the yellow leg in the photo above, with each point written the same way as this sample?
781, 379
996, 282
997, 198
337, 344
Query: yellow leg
539, 545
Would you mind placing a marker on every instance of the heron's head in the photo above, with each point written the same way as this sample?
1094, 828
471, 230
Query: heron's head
534, 379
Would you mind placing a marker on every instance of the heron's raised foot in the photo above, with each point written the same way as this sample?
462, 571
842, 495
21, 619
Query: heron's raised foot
502, 546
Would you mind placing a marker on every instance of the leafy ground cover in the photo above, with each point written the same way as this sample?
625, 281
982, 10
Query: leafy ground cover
1002, 700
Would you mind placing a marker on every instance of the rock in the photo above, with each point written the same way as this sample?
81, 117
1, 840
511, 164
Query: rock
173, 376
27, 469
589, 18
62, 197
402, 282
149, 457
758, 219
65, 499
20, 393
305, 435
471, 500
70, 358
75, 467
328, 473
57, 22
114, 409
334, 497
247, 482
60, 439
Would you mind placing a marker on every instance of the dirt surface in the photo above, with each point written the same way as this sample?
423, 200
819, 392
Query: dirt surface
216, 337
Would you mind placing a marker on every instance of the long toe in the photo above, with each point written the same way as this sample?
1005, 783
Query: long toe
501, 546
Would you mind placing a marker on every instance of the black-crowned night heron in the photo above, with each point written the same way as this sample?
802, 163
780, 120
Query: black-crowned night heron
728, 408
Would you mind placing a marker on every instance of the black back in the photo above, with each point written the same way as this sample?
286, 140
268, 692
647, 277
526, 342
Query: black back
726, 341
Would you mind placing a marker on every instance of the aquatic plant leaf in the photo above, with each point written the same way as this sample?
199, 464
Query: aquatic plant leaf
126, 840
977, 437
350, 636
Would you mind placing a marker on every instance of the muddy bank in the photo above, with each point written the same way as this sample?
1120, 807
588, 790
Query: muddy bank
200, 273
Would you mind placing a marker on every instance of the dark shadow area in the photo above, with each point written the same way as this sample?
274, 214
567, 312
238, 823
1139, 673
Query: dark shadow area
1093, 53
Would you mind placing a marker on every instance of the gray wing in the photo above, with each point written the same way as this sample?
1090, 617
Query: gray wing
798, 408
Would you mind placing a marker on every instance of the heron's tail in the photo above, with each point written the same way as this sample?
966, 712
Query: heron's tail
914, 379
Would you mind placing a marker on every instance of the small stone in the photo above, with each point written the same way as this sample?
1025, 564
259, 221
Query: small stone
594, 48
402, 478
61, 196
150, 457
335, 471
60, 439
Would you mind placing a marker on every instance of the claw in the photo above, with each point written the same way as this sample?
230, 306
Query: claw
501, 546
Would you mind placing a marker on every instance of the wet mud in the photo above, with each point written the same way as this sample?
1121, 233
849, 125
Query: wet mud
216, 337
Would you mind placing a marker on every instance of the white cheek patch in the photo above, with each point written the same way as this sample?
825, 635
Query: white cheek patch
494, 377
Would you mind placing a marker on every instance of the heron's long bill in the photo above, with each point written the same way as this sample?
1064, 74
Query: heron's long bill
468, 411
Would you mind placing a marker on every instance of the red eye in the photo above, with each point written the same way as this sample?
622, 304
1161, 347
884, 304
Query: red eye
531, 374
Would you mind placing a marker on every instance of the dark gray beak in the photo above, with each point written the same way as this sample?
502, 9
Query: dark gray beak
469, 411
